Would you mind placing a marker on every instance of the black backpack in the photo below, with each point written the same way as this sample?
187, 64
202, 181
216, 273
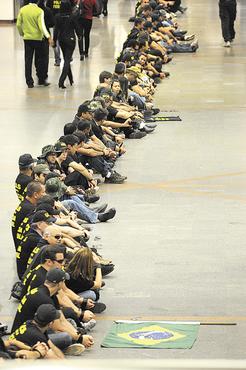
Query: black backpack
98, 8
16, 291
79, 9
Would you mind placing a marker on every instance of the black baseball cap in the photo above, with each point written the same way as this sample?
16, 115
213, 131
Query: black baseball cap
83, 108
43, 216
60, 147
25, 160
46, 207
56, 276
45, 314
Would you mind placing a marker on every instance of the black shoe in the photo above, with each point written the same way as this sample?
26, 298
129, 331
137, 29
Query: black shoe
62, 87
137, 135
56, 64
82, 57
148, 130
92, 198
99, 209
107, 269
105, 12
30, 86
103, 217
43, 83
86, 55
114, 179
155, 111
71, 82
98, 308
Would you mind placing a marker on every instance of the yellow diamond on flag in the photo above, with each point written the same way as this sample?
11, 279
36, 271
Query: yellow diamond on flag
151, 335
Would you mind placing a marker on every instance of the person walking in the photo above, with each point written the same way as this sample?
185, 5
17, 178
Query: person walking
66, 26
54, 6
85, 22
228, 13
31, 26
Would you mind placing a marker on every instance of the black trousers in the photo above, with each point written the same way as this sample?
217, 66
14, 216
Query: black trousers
228, 13
34, 48
67, 47
84, 42
175, 7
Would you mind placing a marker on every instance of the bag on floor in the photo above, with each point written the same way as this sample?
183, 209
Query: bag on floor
16, 291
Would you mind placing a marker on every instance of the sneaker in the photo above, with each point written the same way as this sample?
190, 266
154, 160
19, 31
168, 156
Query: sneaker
74, 350
151, 125
148, 129
107, 269
98, 308
227, 44
155, 111
92, 198
103, 217
137, 135
89, 325
114, 179
189, 37
119, 175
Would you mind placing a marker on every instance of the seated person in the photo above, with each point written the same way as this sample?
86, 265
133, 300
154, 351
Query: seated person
46, 294
26, 164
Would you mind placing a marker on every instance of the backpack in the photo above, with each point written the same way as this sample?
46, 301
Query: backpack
79, 9
98, 8
16, 291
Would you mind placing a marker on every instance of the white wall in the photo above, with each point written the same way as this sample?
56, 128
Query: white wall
7, 10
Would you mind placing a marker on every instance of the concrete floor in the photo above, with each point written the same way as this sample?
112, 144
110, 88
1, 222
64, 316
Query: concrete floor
178, 238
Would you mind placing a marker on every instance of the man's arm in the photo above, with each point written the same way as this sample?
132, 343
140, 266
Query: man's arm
81, 169
54, 352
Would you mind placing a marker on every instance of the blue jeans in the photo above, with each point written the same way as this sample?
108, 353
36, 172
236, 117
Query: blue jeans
60, 339
88, 294
84, 212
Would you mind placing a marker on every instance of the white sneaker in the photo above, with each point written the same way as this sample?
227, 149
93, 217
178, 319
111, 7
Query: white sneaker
74, 350
227, 44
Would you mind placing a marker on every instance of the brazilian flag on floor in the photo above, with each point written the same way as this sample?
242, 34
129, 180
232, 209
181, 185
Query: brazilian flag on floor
151, 334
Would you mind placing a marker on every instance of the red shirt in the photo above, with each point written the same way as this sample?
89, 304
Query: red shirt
88, 8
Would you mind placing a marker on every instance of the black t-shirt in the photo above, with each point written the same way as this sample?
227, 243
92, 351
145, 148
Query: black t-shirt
29, 334
97, 130
80, 284
34, 279
21, 183
24, 250
30, 303
65, 164
23, 210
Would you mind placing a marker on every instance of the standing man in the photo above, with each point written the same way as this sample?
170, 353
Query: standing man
30, 24
228, 13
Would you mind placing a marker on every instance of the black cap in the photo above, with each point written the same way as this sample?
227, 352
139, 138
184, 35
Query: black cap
25, 160
45, 314
83, 108
46, 207
56, 276
43, 216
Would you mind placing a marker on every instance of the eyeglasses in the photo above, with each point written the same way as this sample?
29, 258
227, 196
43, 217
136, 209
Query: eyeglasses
59, 261
57, 237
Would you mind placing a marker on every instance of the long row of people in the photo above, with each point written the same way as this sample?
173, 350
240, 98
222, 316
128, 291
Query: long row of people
61, 274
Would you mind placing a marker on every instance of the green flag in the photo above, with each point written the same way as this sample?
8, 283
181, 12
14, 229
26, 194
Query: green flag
154, 334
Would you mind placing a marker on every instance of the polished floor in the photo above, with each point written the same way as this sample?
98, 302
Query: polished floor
178, 240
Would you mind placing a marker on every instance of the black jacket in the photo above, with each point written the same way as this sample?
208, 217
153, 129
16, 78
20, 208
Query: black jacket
65, 27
